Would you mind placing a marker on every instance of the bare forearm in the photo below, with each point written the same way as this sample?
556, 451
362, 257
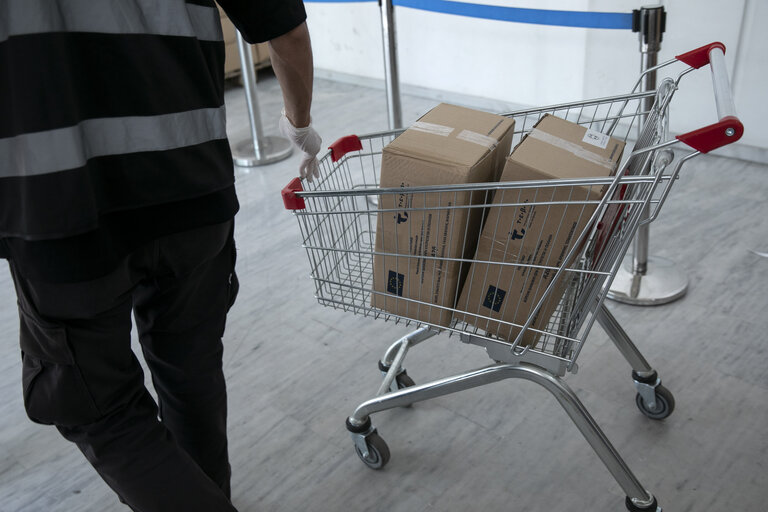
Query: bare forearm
291, 56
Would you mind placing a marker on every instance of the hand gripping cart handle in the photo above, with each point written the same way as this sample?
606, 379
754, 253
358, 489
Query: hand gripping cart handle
341, 212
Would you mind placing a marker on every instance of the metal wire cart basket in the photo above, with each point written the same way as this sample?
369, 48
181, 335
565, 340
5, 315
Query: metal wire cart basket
339, 214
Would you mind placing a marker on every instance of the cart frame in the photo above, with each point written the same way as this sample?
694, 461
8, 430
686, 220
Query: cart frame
333, 210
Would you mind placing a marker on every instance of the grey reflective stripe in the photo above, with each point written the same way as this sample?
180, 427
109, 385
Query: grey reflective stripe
164, 17
46, 152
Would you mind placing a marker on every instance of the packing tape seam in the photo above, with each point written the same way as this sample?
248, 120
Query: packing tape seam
435, 129
465, 135
573, 148
478, 138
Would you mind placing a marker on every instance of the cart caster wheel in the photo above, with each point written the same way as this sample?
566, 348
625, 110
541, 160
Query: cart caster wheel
665, 404
378, 451
404, 380
653, 507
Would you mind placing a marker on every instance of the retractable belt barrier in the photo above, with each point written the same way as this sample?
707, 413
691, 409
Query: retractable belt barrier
611, 20
583, 19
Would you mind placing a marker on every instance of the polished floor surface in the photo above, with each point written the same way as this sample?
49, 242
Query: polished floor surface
296, 370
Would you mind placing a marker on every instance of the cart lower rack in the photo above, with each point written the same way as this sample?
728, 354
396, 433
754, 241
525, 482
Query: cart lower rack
340, 212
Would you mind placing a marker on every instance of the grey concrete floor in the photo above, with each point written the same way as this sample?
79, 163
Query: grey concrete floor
296, 370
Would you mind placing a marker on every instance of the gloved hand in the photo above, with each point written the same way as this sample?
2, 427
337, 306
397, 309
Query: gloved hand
308, 141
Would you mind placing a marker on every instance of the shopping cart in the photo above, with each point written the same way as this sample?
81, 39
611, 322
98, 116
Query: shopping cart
338, 214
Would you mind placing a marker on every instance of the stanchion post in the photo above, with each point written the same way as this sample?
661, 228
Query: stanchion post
651, 32
391, 77
259, 149
644, 280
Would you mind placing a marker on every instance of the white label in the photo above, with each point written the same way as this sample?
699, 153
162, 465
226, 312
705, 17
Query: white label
572, 147
434, 129
596, 139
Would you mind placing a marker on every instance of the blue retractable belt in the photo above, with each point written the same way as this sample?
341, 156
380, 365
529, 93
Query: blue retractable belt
609, 20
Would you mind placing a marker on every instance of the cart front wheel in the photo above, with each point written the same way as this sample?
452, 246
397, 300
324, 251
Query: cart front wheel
665, 404
378, 452
404, 380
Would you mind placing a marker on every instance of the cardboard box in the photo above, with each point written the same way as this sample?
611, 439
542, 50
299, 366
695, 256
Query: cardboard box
538, 234
448, 145
232, 54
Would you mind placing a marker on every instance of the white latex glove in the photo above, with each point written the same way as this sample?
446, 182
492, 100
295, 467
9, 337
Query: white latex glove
308, 141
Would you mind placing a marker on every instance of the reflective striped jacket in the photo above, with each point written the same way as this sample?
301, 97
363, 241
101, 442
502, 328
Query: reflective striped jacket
113, 105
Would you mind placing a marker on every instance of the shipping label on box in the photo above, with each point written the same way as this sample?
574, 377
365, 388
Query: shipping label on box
530, 231
419, 236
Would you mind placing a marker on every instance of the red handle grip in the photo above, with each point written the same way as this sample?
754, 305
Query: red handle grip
344, 145
728, 129
338, 149
290, 199
700, 56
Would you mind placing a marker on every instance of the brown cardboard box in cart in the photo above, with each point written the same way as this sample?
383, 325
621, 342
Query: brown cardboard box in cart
538, 234
422, 231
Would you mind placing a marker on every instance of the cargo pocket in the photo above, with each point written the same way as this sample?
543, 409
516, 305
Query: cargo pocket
54, 390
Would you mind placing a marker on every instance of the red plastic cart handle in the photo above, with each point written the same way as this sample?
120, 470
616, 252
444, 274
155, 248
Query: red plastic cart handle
728, 129
338, 149
344, 145
700, 56
290, 199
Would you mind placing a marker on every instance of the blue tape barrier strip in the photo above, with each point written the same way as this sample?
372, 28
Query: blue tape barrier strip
609, 20
583, 19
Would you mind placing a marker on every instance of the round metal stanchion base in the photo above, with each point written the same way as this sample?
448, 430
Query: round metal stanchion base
273, 149
662, 283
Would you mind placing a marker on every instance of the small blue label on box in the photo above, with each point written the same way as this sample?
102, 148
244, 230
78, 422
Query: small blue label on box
494, 298
395, 283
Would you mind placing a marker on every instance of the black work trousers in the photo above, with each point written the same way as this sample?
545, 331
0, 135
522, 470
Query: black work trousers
80, 374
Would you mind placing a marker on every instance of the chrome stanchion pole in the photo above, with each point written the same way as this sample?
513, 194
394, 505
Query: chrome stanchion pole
644, 280
392, 80
259, 149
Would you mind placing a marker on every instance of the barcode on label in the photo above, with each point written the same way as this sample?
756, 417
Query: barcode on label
596, 139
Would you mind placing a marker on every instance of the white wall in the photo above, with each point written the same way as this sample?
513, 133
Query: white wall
512, 62
751, 74
346, 38
536, 65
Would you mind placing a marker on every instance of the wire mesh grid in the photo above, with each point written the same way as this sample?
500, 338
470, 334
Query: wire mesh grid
346, 210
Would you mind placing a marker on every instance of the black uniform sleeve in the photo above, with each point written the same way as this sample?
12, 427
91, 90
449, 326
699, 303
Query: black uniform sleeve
262, 20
